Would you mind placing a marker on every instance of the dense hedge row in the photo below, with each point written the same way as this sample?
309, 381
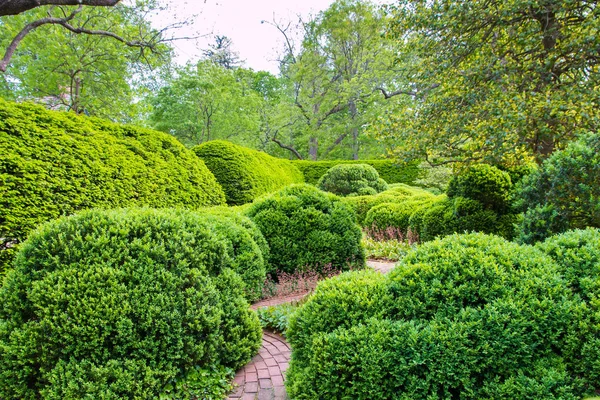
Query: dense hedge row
246, 174
352, 180
388, 171
307, 228
55, 163
467, 316
125, 304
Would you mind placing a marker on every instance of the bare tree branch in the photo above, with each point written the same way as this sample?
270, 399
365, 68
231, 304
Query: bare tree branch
290, 148
413, 93
14, 7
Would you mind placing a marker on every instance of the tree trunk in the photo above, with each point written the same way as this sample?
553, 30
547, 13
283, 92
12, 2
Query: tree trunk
313, 148
353, 114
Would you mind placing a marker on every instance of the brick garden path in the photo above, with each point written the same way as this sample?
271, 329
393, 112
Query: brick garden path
263, 378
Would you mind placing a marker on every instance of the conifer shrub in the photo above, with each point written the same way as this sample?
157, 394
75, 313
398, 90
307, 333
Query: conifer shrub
246, 174
56, 163
352, 180
564, 193
307, 228
467, 316
484, 183
123, 304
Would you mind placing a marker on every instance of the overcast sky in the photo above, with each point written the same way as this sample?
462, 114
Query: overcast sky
258, 44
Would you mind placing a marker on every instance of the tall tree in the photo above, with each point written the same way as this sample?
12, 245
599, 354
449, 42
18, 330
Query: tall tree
495, 81
334, 77
221, 52
207, 101
83, 73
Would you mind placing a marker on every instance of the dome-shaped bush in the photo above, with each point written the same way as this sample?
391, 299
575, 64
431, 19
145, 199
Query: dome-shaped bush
308, 229
56, 163
467, 316
121, 304
352, 180
485, 184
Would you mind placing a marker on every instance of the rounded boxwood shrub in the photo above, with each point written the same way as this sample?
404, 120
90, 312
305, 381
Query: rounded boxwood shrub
342, 301
577, 254
56, 163
246, 174
122, 304
564, 193
395, 215
485, 184
307, 228
352, 180
467, 316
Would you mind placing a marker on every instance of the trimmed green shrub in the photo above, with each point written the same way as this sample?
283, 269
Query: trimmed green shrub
564, 193
55, 163
307, 228
460, 215
468, 316
246, 174
577, 254
352, 180
122, 304
362, 204
387, 169
395, 215
482, 182
342, 301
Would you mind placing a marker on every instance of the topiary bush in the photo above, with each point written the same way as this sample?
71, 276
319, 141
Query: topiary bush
467, 316
352, 180
484, 183
564, 193
387, 170
246, 174
307, 228
123, 304
396, 215
55, 163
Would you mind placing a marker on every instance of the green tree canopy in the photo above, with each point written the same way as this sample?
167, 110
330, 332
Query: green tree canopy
495, 81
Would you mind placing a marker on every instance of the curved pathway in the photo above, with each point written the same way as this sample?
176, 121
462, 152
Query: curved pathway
263, 377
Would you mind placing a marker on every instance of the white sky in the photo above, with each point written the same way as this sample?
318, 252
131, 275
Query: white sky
258, 44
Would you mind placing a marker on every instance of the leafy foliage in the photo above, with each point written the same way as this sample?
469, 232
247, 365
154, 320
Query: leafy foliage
396, 215
468, 316
352, 180
387, 170
564, 193
122, 304
276, 318
55, 163
500, 82
308, 229
246, 174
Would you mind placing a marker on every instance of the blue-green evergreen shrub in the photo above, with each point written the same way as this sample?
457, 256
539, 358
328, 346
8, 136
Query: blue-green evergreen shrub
564, 193
246, 174
307, 228
123, 304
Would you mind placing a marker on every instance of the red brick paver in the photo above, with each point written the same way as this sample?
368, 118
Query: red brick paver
263, 377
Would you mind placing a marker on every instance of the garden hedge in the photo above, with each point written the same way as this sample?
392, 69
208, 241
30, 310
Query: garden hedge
467, 316
352, 180
123, 304
246, 174
55, 163
387, 169
308, 229
564, 193
484, 183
